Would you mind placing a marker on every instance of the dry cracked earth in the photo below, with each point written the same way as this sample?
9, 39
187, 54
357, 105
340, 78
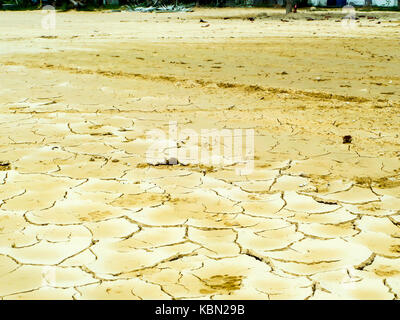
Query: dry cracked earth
83, 215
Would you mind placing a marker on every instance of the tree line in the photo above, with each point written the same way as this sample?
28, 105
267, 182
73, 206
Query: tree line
77, 4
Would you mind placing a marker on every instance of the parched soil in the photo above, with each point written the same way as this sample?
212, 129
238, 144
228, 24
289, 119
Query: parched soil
84, 214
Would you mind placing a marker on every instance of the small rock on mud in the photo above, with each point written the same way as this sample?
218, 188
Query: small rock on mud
347, 139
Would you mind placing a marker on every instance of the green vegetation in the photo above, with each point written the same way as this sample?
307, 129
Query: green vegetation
89, 5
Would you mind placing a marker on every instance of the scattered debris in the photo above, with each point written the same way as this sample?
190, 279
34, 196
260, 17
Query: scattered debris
171, 8
205, 26
251, 19
164, 162
126, 8
347, 139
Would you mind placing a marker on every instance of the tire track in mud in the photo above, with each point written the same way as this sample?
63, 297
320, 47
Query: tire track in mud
201, 83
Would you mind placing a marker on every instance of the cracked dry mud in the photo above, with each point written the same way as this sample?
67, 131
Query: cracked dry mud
316, 219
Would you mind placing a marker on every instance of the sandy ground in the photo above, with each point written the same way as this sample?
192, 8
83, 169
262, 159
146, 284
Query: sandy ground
83, 215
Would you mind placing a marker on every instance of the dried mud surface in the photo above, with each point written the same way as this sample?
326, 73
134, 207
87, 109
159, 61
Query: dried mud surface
316, 219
